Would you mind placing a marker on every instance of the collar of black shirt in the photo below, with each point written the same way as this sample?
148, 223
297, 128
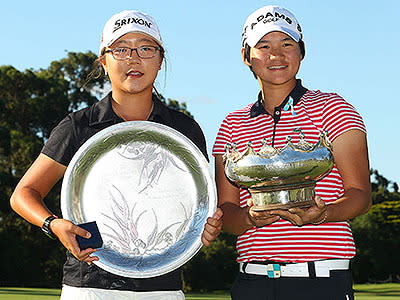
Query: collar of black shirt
258, 108
101, 112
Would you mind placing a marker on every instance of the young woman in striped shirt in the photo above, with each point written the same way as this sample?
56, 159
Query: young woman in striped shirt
311, 248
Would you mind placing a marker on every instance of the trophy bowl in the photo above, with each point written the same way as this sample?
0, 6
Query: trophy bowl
280, 178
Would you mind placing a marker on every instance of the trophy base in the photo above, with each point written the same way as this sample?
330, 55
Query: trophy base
268, 199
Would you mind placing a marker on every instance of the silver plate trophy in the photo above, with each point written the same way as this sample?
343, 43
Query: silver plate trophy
150, 190
280, 178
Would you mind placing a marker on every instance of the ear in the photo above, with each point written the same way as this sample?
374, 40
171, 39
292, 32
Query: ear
103, 64
245, 61
161, 62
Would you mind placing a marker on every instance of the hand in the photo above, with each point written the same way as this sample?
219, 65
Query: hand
301, 216
260, 218
66, 232
212, 228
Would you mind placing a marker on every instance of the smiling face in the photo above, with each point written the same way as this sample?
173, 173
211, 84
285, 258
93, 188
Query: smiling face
134, 75
275, 59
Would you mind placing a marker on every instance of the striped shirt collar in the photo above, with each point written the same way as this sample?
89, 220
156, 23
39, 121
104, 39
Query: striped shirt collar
258, 108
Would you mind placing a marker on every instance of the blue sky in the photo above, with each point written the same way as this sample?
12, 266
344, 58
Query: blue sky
352, 49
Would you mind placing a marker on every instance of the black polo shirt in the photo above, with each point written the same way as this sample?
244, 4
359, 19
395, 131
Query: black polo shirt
64, 142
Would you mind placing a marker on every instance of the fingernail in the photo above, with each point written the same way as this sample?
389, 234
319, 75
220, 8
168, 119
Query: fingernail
88, 235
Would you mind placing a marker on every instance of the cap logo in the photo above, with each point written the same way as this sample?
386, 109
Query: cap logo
121, 22
269, 17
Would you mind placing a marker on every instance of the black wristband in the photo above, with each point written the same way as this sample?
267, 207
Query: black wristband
46, 227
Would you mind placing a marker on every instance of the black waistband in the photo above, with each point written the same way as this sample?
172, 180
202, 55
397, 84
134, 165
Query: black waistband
80, 274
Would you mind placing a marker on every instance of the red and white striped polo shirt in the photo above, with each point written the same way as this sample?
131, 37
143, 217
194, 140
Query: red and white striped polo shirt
281, 241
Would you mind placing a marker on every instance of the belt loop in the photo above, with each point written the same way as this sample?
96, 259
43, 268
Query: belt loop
244, 265
311, 269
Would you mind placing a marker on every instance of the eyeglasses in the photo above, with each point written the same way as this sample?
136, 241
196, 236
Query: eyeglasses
123, 53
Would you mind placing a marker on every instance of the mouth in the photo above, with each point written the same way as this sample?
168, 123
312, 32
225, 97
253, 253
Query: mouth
273, 68
134, 74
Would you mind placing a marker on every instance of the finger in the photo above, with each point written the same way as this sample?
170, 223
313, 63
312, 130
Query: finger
213, 222
297, 211
90, 259
207, 237
263, 221
259, 213
87, 251
218, 214
282, 213
250, 202
85, 254
291, 217
205, 241
210, 229
319, 202
77, 252
81, 232
268, 220
89, 256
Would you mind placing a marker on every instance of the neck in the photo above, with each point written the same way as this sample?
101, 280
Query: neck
133, 107
274, 95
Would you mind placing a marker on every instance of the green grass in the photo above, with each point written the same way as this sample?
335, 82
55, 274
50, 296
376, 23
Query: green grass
11, 293
386, 291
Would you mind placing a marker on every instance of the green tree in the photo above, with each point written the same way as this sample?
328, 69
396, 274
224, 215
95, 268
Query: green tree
377, 235
31, 104
214, 267
175, 104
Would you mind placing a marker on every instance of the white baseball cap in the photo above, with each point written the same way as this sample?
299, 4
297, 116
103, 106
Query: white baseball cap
129, 21
267, 19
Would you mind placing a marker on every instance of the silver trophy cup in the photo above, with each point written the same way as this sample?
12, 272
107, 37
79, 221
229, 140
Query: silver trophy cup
280, 178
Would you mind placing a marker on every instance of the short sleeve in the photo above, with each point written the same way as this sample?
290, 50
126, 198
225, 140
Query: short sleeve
198, 139
224, 136
61, 144
340, 116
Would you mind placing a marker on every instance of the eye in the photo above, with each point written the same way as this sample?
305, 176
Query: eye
263, 47
121, 50
287, 44
147, 48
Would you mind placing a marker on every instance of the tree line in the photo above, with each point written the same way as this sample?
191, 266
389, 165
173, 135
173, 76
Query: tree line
32, 102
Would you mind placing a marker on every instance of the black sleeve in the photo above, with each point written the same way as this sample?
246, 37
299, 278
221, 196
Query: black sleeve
191, 129
197, 137
61, 144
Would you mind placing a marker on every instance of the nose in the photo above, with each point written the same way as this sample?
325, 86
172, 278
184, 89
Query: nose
133, 57
275, 53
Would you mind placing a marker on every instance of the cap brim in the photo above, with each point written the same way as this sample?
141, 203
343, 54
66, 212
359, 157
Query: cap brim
256, 36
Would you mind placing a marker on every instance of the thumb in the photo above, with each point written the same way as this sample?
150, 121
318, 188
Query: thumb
81, 232
319, 202
250, 202
218, 214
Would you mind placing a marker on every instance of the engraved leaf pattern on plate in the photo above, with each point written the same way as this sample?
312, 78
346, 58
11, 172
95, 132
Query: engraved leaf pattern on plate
126, 239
